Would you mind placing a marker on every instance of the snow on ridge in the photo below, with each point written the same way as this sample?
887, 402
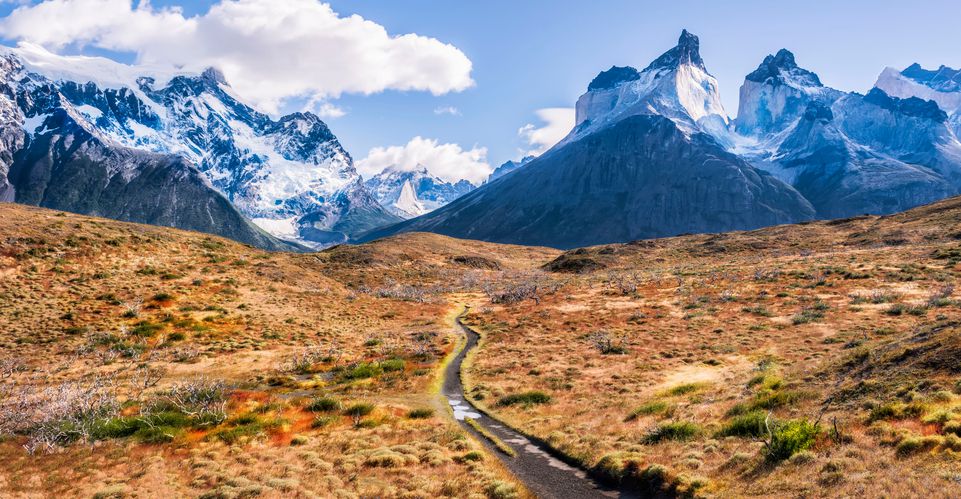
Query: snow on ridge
103, 72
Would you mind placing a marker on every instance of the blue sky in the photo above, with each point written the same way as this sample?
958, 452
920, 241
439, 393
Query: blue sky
534, 54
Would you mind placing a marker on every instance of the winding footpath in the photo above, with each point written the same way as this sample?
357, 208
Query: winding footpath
538, 467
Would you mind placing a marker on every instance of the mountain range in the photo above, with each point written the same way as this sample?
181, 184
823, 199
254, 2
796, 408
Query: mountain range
653, 153
89, 135
408, 194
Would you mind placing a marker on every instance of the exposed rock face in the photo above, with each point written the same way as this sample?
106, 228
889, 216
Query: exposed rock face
776, 94
848, 154
427, 191
676, 85
290, 176
942, 86
842, 178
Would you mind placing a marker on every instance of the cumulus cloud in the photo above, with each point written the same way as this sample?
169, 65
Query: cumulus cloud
451, 110
269, 50
557, 122
449, 162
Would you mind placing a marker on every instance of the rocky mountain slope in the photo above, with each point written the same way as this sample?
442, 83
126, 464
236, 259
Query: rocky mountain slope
942, 85
643, 161
290, 176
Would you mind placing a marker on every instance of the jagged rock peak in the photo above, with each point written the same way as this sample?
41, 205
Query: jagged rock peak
613, 77
912, 106
214, 75
944, 79
774, 68
687, 51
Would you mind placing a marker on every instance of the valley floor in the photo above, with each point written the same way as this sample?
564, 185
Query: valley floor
806, 361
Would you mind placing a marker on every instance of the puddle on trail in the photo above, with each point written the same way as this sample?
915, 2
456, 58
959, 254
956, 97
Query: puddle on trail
461, 410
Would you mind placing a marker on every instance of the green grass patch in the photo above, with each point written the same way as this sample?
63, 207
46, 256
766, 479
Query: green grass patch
750, 424
525, 398
789, 438
323, 404
648, 409
684, 389
680, 431
420, 413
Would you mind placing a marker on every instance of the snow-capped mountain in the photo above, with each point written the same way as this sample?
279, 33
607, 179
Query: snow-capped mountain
290, 176
676, 85
52, 155
942, 85
847, 153
507, 167
645, 159
776, 94
411, 193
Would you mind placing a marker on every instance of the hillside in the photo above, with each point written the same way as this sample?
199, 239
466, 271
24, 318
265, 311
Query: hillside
269, 350
800, 360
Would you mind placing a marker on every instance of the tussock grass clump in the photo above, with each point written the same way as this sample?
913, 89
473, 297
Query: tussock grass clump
358, 411
684, 389
652, 480
648, 409
953, 427
423, 413
617, 466
916, 445
896, 410
789, 438
768, 399
363, 370
524, 398
675, 430
393, 365
322, 421
751, 424
323, 404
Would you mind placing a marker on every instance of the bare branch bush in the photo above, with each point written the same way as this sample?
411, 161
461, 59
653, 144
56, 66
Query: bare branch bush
607, 343
625, 283
204, 400
10, 366
940, 296
304, 361
421, 345
58, 415
132, 307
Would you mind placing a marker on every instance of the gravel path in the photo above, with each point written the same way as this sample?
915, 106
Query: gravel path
535, 465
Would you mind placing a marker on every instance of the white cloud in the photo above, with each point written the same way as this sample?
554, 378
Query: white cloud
327, 110
447, 161
451, 110
558, 122
269, 50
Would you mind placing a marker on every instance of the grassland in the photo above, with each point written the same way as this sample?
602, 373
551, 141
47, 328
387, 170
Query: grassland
819, 360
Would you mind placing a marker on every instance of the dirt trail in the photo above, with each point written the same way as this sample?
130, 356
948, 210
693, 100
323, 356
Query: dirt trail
540, 469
